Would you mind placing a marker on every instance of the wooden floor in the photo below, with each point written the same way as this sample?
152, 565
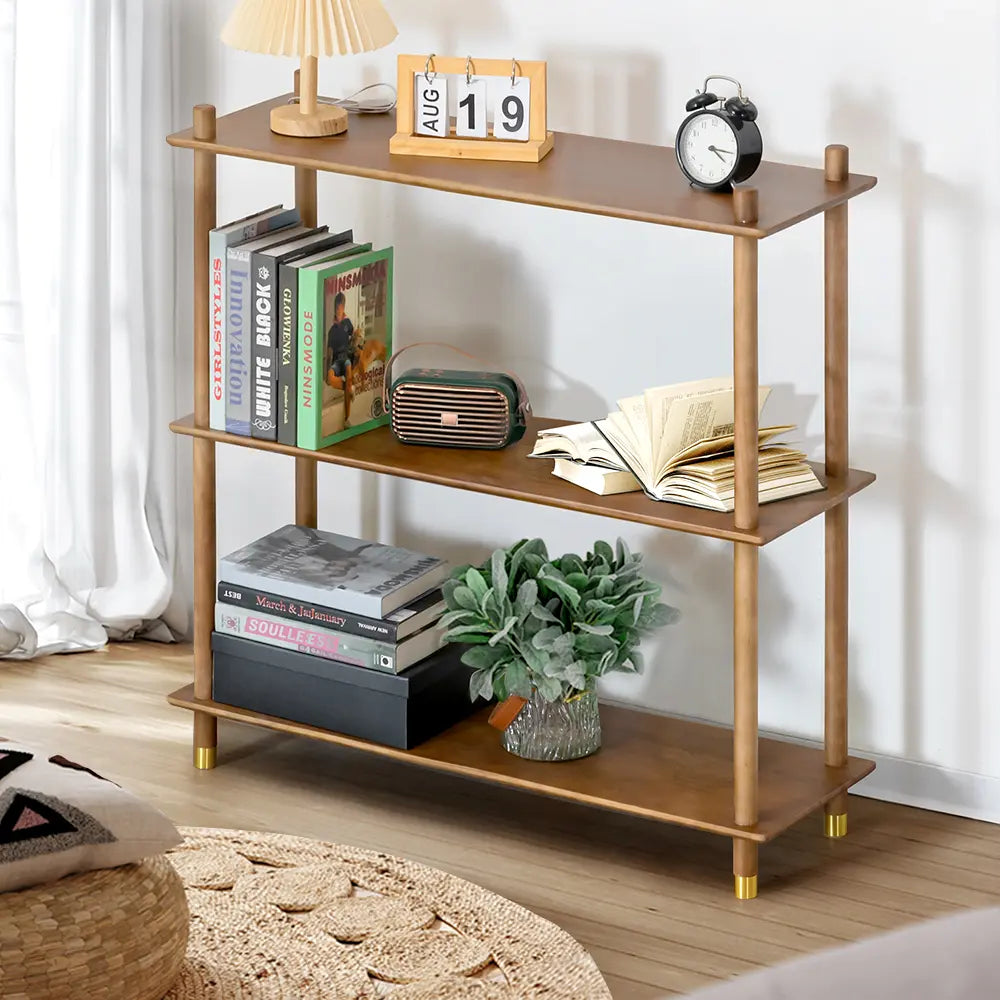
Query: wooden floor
652, 903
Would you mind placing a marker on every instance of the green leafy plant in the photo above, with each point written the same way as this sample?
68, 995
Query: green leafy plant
551, 625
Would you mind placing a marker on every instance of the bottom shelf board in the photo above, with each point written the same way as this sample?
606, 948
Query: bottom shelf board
673, 770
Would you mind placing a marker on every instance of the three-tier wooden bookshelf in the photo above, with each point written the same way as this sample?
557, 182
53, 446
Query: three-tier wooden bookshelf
721, 780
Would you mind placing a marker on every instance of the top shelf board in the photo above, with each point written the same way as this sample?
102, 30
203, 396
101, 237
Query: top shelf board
624, 180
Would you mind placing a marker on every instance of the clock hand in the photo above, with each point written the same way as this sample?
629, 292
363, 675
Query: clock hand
718, 152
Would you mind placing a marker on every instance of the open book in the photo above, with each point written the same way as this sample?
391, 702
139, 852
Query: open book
678, 442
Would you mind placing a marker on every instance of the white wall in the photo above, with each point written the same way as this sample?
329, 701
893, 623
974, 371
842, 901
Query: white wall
912, 89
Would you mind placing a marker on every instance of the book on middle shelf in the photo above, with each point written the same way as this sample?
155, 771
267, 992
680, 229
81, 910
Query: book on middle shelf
287, 407
220, 240
300, 331
345, 339
678, 443
268, 315
239, 324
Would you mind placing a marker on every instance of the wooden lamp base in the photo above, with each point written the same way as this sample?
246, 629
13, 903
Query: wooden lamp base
325, 120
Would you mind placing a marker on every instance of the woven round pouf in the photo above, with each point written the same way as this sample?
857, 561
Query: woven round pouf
285, 918
112, 934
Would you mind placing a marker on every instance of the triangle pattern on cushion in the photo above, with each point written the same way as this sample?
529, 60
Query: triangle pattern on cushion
33, 824
26, 818
10, 760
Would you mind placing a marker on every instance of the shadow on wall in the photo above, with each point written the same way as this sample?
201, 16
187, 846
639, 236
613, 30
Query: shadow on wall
926, 501
607, 93
787, 406
451, 22
476, 294
691, 664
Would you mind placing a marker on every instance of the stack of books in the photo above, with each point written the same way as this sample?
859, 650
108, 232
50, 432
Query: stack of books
333, 597
300, 327
675, 443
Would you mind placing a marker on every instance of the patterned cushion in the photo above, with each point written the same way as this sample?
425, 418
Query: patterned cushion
58, 817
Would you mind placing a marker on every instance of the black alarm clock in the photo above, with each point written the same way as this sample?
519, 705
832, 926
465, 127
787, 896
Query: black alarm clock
718, 147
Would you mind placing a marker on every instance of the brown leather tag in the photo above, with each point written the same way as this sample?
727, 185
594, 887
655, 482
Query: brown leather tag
506, 712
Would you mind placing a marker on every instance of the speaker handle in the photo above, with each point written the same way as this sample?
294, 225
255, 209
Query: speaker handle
523, 403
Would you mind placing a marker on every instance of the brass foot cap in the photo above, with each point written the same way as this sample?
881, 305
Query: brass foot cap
835, 827
746, 886
204, 758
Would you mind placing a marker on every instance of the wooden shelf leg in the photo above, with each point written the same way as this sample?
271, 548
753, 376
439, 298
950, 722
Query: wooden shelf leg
745, 778
745, 556
306, 501
835, 696
203, 471
745, 868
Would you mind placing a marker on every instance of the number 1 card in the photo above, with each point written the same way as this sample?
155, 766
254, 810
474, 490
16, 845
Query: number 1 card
471, 112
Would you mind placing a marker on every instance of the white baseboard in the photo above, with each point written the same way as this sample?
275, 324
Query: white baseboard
927, 786
910, 782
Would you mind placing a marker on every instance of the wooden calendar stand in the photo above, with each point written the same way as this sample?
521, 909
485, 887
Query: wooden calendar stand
406, 143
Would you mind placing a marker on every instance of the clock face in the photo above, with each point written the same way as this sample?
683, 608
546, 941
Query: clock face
707, 149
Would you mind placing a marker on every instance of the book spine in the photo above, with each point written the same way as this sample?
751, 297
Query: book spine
310, 360
368, 605
238, 353
271, 631
304, 611
263, 384
286, 413
217, 247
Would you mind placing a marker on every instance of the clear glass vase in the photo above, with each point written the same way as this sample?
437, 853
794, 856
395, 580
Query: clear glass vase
555, 730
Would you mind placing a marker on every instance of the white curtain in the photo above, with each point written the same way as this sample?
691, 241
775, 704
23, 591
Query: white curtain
87, 534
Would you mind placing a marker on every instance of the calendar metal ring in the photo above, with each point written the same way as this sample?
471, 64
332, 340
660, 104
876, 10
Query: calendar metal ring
468, 70
513, 71
427, 69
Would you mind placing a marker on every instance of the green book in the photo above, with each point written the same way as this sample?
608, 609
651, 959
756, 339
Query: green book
345, 339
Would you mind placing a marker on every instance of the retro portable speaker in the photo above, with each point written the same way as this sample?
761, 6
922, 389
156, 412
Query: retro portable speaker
455, 409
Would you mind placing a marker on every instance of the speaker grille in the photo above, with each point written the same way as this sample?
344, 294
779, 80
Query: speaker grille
450, 415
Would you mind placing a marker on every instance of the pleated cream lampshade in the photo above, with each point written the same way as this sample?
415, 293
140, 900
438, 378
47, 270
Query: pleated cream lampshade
309, 29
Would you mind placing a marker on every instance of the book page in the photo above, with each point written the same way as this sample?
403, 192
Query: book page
680, 421
578, 442
637, 426
660, 399
724, 445
617, 429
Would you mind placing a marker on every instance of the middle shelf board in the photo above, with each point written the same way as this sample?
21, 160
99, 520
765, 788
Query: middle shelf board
510, 473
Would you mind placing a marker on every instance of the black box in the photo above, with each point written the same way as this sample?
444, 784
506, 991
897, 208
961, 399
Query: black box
398, 710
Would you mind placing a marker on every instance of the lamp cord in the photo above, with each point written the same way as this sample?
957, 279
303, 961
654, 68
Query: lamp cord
356, 105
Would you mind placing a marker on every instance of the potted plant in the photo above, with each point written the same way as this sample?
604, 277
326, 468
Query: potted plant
542, 631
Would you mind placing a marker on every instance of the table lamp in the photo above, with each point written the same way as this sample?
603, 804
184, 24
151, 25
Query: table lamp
309, 29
